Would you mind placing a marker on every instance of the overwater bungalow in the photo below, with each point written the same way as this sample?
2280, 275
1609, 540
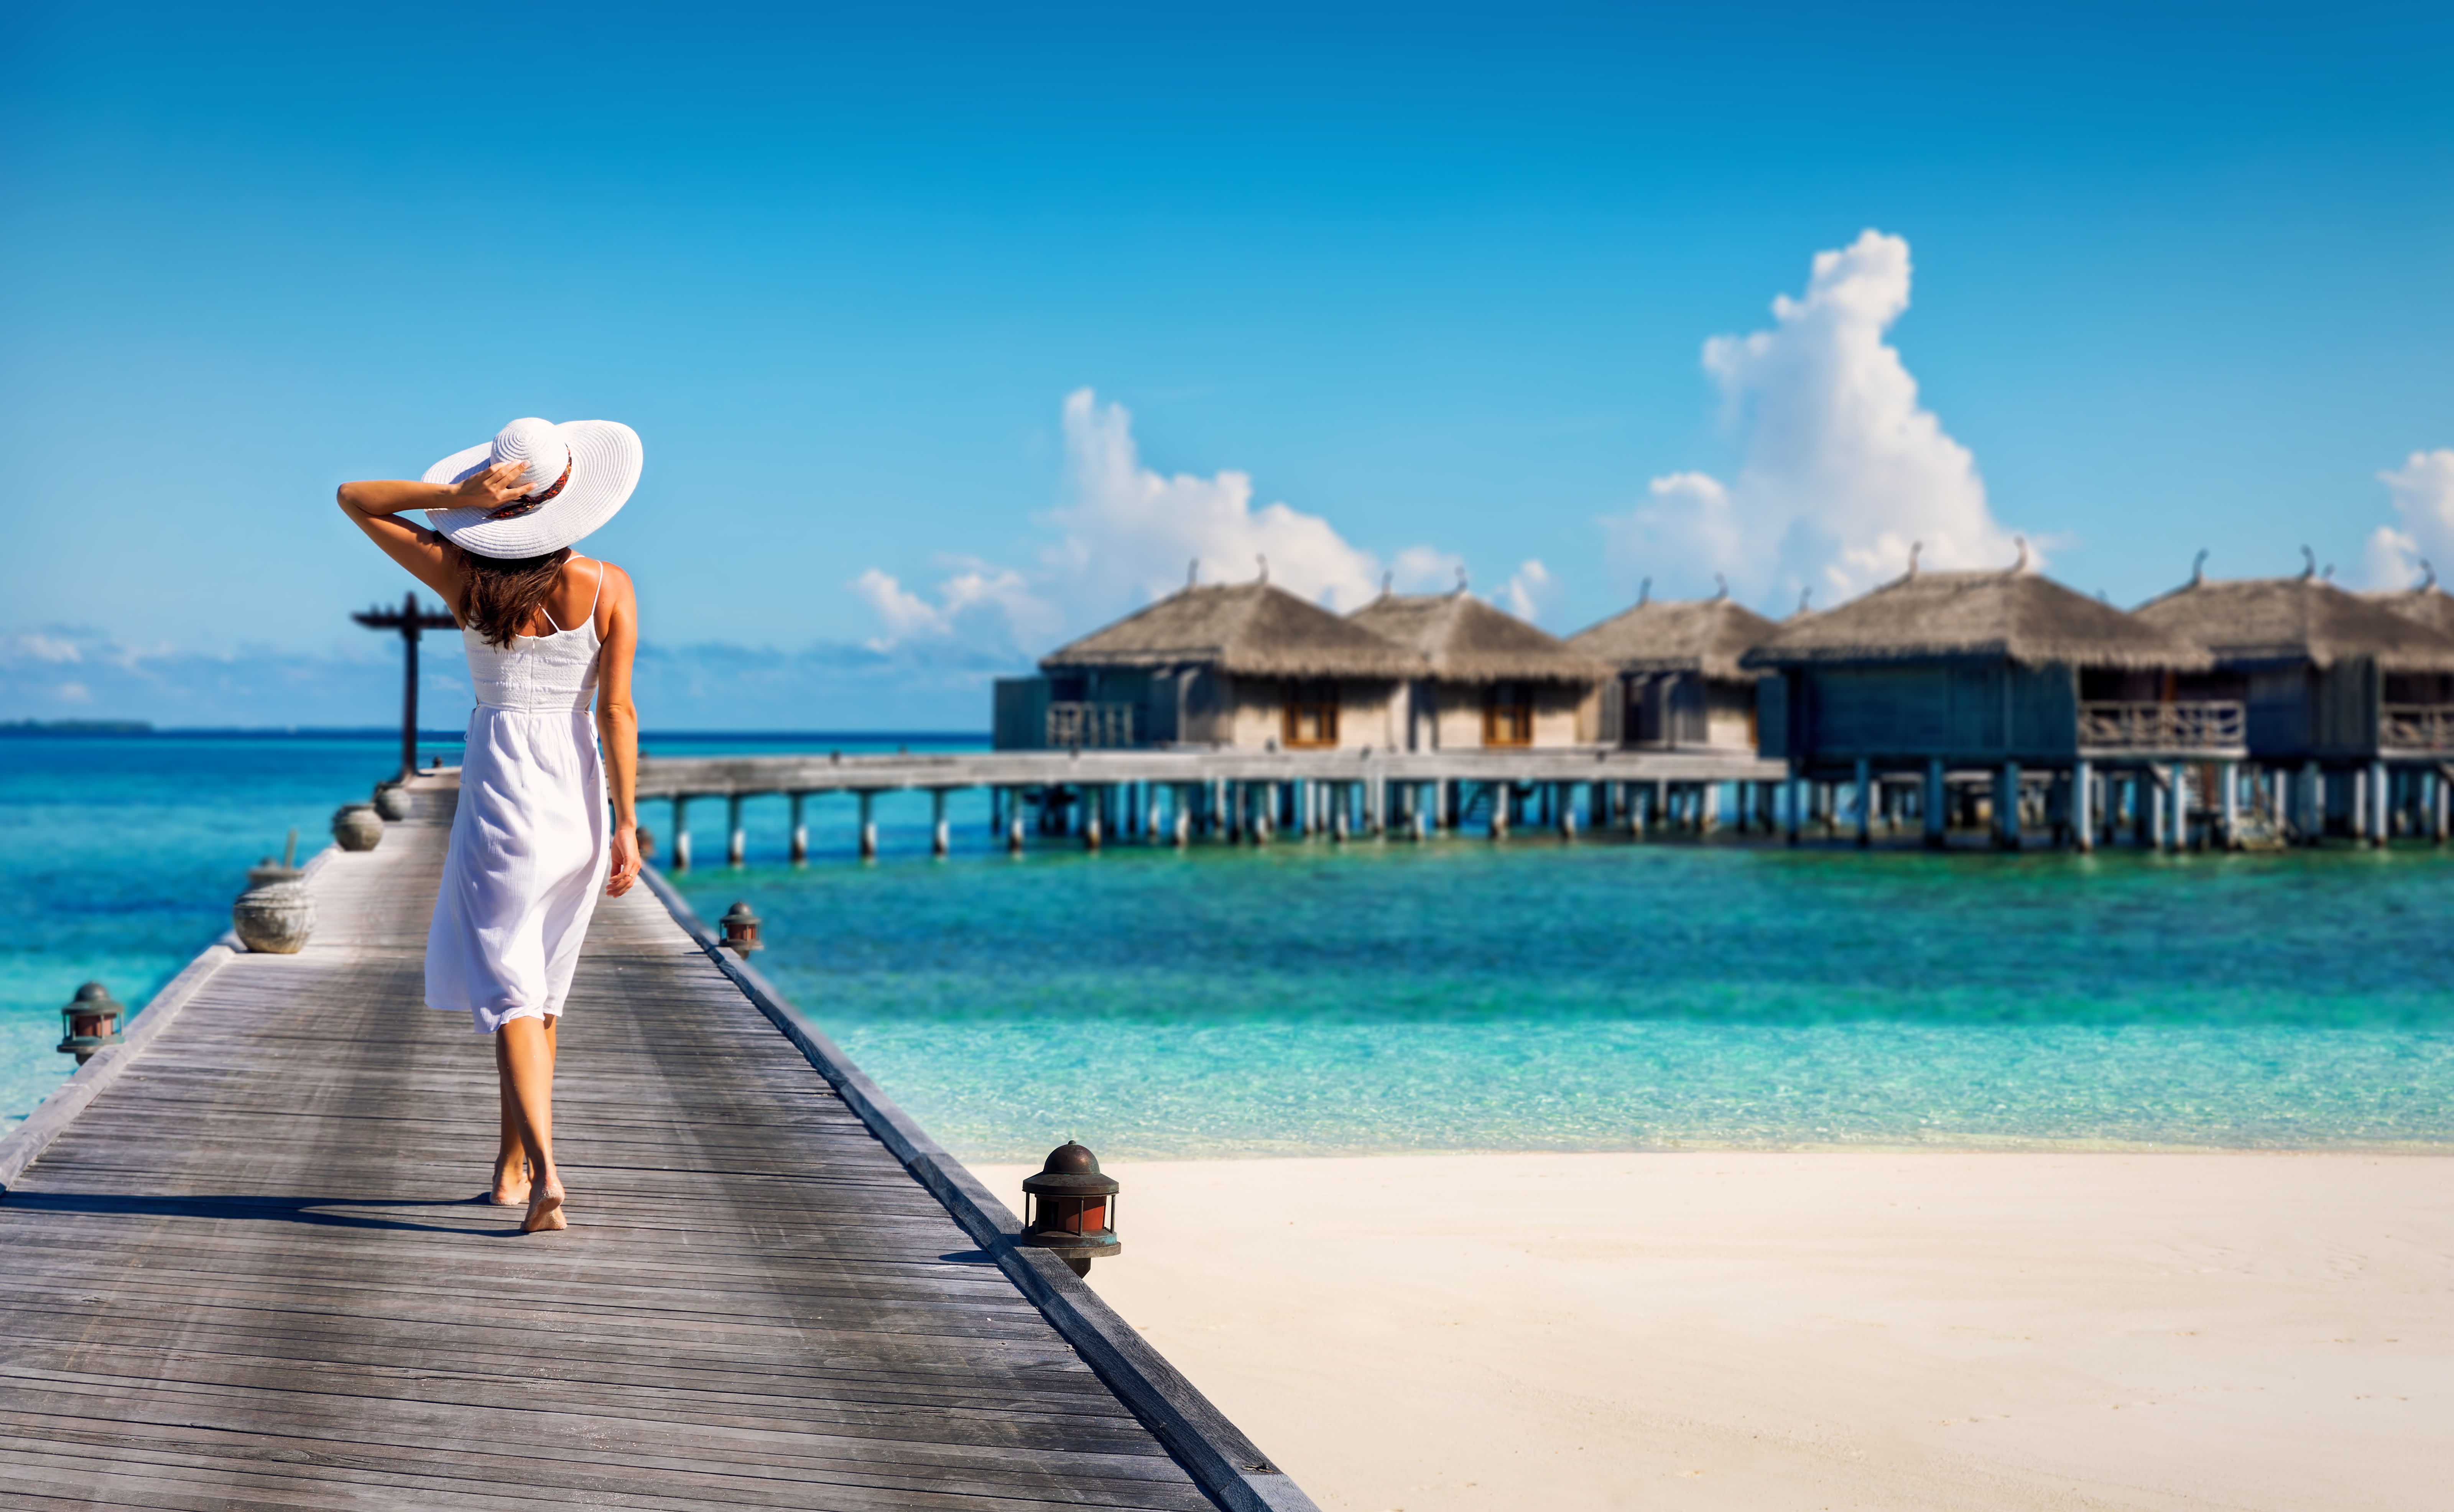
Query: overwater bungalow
2002, 696
1238, 666
1483, 676
1677, 683
2350, 699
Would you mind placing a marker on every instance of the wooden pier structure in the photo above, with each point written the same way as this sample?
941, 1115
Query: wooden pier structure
1231, 794
249, 1264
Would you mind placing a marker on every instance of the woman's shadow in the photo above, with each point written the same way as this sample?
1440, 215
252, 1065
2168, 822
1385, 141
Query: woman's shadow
247, 1207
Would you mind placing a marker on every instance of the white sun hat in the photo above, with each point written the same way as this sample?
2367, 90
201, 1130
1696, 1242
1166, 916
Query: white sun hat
580, 473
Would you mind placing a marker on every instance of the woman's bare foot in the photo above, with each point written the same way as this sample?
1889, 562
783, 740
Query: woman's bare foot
511, 1182
545, 1209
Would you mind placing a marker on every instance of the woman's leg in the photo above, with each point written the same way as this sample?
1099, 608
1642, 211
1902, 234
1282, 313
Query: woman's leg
527, 1046
510, 1157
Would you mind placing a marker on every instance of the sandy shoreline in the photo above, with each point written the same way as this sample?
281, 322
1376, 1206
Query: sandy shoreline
1813, 1330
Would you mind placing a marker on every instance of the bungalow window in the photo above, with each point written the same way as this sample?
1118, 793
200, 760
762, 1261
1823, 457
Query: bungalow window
1311, 714
1508, 715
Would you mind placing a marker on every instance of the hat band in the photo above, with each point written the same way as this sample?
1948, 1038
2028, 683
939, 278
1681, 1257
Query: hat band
529, 503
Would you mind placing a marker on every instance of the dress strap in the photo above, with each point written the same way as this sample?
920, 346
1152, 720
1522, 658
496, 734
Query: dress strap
600, 588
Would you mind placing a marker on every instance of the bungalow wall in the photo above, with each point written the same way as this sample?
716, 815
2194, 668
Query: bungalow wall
1564, 714
1913, 711
2299, 713
1249, 714
1679, 711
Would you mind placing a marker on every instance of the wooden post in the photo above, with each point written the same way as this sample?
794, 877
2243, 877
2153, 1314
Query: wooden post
1094, 797
800, 841
937, 837
681, 832
868, 825
410, 622
1567, 811
1499, 796
2438, 806
1865, 802
1182, 828
1936, 806
2082, 806
735, 842
2007, 807
1014, 821
2380, 832
2228, 796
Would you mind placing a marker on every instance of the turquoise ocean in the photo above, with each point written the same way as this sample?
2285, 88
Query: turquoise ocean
1306, 998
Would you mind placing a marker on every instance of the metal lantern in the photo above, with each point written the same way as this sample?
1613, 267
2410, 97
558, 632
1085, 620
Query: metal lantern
91, 1022
1068, 1207
741, 930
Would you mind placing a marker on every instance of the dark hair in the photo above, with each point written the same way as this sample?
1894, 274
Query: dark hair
500, 594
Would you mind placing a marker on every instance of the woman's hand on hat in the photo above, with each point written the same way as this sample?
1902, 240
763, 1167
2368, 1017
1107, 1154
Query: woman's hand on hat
499, 484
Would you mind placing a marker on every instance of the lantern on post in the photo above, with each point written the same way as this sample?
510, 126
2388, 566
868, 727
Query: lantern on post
1068, 1207
741, 930
91, 1022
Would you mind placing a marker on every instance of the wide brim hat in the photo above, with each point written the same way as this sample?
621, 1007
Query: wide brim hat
580, 472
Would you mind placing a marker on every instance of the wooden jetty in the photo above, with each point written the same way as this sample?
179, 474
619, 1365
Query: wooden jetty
249, 1264
1227, 793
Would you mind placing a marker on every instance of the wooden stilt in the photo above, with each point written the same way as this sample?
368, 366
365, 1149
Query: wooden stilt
1865, 803
735, 842
2007, 807
938, 839
681, 833
868, 825
799, 847
1936, 806
2083, 812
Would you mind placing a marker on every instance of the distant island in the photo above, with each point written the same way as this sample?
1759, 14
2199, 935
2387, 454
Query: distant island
76, 727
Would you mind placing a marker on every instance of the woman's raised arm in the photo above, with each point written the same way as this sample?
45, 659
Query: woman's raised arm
372, 505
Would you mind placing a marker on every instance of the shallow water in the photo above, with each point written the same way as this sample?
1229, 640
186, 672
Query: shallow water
1395, 996
1604, 996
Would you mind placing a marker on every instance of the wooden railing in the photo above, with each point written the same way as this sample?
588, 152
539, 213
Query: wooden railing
2162, 726
1090, 726
2417, 726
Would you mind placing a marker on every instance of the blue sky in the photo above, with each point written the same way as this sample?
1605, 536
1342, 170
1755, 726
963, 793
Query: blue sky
952, 331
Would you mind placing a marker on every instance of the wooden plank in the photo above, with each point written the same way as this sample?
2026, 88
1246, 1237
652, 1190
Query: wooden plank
250, 1271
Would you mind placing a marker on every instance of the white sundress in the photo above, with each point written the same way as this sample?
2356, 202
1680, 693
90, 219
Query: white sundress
528, 843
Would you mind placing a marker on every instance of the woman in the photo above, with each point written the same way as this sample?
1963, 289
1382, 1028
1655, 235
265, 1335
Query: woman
530, 843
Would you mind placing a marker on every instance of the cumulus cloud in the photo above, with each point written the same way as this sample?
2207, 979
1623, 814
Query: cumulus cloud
1841, 470
2423, 492
1522, 594
1128, 534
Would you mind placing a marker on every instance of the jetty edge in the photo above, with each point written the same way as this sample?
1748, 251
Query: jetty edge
52, 1116
1223, 1460
308, 1351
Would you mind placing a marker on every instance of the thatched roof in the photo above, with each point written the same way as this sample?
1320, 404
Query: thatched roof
2427, 604
1249, 629
2304, 618
1706, 636
1986, 615
1463, 640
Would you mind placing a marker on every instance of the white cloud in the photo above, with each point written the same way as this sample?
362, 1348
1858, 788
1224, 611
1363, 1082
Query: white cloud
74, 693
1841, 470
35, 645
1127, 535
1522, 594
2423, 492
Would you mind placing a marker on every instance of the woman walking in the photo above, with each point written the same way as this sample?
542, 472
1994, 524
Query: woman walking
530, 846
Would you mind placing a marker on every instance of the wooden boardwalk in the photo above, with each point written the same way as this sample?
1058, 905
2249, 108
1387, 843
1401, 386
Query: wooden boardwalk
255, 1270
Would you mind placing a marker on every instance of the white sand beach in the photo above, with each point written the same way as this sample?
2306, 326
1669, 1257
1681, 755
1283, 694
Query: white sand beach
1818, 1330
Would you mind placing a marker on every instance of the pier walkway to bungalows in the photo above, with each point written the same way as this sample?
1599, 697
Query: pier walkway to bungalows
247, 1263
1225, 794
